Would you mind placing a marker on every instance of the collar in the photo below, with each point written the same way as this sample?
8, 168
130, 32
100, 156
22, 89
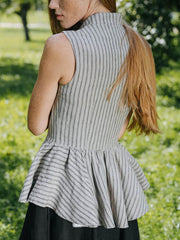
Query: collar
103, 18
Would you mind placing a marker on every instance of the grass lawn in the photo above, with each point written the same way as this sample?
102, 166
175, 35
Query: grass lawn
158, 156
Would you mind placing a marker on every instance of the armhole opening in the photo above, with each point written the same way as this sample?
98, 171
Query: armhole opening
75, 51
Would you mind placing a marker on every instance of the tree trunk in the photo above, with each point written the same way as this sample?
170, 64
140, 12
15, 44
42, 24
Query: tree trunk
24, 21
24, 7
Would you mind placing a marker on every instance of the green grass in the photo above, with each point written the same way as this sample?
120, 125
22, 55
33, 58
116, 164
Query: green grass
158, 156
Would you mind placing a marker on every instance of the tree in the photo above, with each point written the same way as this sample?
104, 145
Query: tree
19, 7
155, 20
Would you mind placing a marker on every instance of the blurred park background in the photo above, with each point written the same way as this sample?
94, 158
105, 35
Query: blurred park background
24, 27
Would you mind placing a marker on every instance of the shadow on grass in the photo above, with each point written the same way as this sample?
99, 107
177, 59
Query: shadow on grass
16, 78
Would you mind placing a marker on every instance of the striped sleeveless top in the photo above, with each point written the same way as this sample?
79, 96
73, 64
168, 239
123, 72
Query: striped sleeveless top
81, 171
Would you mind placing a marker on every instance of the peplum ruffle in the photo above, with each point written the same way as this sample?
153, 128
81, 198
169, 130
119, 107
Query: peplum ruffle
89, 188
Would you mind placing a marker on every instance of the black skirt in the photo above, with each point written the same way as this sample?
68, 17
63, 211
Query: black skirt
42, 223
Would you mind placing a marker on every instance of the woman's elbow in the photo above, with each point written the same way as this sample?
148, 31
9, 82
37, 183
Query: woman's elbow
36, 130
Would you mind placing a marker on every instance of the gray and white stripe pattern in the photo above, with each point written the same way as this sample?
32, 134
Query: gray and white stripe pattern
81, 170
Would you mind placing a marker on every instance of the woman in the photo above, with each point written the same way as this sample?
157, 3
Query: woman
83, 183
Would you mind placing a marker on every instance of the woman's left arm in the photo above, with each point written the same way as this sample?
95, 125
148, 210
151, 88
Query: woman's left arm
44, 92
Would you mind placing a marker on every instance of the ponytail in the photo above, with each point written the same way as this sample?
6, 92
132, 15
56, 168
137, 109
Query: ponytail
140, 87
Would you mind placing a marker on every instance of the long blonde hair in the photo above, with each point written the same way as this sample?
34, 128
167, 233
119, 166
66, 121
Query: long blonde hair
139, 90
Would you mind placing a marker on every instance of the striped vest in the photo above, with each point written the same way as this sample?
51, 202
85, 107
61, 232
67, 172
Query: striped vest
81, 170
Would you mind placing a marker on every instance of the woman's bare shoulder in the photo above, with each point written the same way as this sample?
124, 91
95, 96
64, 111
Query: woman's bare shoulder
58, 40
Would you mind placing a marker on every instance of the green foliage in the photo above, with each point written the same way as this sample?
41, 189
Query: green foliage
158, 156
158, 21
12, 6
